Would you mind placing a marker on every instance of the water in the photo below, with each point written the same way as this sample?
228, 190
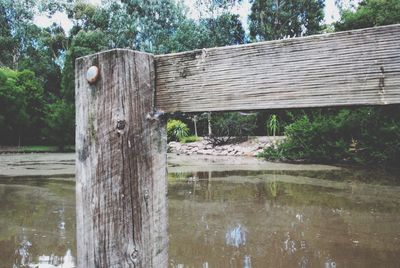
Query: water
37, 223
261, 218
282, 219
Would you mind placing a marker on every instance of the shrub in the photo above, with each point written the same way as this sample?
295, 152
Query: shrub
189, 139
176, 130
60, 119
362, 135
232, 127
272, 125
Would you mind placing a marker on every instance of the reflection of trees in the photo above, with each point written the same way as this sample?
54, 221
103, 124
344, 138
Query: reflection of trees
302, 228
236, 236
37, 220
273, 187
209, 192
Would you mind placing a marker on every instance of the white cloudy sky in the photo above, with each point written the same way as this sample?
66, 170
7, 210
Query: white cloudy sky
331, 13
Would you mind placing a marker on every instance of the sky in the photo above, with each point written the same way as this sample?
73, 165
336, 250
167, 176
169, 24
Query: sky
331, 14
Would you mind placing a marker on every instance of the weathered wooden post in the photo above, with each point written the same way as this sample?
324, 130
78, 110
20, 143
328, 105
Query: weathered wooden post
120, 163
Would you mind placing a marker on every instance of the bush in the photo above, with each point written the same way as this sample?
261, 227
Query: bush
232, 127
273, 153
189, 139
362, 135
60, 119
272, 125
176, 130
21, 107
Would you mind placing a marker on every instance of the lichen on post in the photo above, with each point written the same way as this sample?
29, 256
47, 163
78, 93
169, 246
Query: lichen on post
120, 163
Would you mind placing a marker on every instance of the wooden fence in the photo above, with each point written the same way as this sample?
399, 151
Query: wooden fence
121, 160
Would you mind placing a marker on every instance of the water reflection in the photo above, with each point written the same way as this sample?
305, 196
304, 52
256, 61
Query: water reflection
37, 222
236, 236
53, 261
278, 219
235, 219
22, 252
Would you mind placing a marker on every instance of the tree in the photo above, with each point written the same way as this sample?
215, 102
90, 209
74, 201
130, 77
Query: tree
45, 58
84, 43
60, 120
224, 30
16, 24
277, 19
21, 107
232, 127
33, 95
370, 13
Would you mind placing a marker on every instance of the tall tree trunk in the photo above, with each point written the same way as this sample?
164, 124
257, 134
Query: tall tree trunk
209, 124
195, 124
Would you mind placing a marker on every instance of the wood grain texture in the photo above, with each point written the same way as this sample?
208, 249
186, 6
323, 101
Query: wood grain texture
360, 67
120, 164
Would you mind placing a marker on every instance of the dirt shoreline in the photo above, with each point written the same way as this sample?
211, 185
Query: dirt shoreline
251, 147
62, 165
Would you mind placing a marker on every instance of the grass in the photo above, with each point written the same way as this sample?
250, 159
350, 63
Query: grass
189, 139
43, 149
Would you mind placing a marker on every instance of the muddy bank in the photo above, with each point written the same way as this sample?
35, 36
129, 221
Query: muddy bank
199, 163
62, 165
251, 147
57, 165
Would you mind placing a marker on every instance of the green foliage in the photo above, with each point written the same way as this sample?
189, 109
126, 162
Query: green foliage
43, 149
273, 125
370, 13
223, 30
60, 123
189, 139
17, 31
276, 19
363, 135
231, 127
84, 43
176, 130
273, 153
21, 107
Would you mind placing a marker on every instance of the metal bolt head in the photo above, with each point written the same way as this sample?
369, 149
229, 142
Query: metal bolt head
92, 74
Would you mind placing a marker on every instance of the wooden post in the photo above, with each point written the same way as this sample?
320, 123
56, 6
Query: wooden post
120, 163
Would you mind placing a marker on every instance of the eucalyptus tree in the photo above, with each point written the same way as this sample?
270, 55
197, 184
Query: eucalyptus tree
369, 13
17, 30
277, 19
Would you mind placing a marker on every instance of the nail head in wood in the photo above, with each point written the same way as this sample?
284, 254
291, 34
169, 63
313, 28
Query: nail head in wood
92, 74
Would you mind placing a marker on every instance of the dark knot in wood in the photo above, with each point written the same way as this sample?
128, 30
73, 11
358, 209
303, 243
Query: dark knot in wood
120, 127
134, 256
121, 124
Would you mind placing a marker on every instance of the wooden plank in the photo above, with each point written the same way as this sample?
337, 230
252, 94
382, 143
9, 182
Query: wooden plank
360, 67
120, 164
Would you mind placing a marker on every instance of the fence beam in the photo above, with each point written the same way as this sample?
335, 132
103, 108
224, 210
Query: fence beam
360, 67
120, 163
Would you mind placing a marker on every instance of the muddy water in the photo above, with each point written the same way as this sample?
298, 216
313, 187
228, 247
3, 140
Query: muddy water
281, 216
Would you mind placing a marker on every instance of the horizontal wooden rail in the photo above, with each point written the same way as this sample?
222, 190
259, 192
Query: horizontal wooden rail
360, 67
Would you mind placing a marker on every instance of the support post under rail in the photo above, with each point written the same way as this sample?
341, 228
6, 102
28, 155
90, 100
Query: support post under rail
120, 163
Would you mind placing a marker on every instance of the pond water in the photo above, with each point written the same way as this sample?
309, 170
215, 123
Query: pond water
226, 218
